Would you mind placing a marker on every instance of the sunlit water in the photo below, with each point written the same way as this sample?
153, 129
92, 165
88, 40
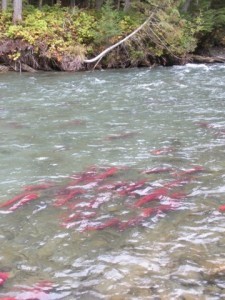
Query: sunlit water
55, 125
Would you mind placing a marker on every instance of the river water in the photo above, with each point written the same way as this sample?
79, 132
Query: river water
113, 137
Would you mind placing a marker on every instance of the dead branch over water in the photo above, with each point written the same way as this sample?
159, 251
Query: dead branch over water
103, 53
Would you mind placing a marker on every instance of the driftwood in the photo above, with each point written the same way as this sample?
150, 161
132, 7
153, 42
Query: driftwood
27, 68
206, 59
3, 69
107, 50
21, 67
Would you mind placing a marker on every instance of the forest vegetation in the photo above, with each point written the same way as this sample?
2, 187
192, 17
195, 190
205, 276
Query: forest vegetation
64, 35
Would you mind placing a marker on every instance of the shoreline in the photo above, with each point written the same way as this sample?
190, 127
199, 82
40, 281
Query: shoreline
19, 56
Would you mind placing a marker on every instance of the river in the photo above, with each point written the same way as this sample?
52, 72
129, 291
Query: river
81, 151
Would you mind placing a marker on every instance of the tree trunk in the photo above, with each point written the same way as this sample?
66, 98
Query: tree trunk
40, 4
4, 5
186, 6
126, 5
17, 11
72, 3
98, 4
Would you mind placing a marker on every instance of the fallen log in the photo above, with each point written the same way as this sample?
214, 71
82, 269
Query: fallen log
4, 69
206, 59
26, 68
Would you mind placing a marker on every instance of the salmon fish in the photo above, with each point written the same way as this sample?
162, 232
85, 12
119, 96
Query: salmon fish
3, 277
155, 195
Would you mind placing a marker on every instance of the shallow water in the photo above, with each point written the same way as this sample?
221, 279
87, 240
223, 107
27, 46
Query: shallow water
54, 126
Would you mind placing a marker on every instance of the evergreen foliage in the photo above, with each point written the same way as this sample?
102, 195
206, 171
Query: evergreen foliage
210, 15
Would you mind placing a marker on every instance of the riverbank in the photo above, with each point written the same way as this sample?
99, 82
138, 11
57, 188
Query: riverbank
58, 39
29, 61
214, 55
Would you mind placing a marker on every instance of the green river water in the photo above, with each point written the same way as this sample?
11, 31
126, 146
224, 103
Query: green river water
57, 127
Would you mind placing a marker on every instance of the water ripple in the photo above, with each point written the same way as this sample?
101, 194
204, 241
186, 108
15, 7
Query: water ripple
60, 124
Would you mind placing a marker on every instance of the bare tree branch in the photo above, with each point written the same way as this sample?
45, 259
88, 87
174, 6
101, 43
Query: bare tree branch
103, 53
